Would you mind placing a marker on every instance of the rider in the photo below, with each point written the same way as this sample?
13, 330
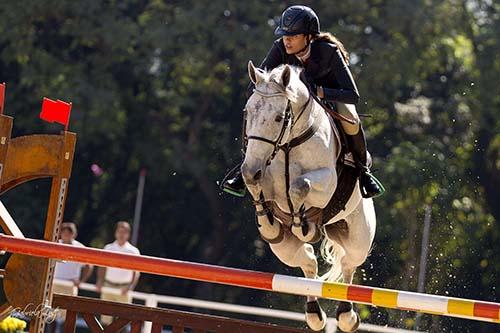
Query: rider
326, 70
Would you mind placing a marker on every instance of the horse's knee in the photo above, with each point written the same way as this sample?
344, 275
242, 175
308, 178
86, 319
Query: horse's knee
299, 189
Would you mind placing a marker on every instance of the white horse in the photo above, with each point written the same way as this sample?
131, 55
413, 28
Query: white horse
280, 111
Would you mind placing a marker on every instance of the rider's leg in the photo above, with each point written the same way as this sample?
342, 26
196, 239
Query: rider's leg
233, 181
370, 186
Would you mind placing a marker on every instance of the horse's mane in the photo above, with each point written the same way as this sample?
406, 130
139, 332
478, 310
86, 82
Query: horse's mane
275, 76
275, 73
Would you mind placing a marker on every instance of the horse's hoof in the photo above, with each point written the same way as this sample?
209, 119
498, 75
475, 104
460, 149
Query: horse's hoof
313, 235
315, 316
349, 322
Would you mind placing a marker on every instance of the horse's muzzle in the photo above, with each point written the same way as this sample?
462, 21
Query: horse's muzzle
252, 174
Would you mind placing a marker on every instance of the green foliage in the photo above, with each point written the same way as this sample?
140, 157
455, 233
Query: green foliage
160, 85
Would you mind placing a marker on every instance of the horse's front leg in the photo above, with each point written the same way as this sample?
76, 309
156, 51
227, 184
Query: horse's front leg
313, 188
270, 229
296, 253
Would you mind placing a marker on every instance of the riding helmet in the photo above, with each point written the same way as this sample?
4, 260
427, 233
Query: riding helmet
298, 20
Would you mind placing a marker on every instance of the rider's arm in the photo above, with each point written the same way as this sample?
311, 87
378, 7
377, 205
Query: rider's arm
273, 59
349, 92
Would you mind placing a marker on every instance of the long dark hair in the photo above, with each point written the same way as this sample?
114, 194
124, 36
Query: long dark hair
328, 37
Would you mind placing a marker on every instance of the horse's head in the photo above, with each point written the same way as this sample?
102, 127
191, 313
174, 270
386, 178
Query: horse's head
278, 97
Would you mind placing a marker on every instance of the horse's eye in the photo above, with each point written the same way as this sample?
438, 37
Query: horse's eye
279, 118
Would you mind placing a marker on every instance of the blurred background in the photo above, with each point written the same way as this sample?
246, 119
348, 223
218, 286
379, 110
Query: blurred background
160, 85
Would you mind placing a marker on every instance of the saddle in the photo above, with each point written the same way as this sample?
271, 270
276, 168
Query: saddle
347, 174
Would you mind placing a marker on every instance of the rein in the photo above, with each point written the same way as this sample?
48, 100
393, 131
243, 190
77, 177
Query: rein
328, 110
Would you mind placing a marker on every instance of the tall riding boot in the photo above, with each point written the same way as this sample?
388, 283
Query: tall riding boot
370, 186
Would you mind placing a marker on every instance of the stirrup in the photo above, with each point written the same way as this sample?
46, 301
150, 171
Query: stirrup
234, 190
240, 194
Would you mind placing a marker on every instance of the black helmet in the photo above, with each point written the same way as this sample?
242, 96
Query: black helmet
298, 20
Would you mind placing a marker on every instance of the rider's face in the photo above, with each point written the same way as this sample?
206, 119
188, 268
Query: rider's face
295, 43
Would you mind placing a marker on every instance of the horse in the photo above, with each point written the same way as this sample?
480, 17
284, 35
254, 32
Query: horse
291, 158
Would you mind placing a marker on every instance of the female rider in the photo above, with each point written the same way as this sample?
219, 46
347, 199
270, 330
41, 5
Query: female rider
324, 60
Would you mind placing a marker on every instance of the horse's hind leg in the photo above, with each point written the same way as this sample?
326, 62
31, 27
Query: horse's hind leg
296, 253
356, 244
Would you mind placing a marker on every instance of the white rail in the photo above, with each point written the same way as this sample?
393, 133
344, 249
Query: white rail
152, 300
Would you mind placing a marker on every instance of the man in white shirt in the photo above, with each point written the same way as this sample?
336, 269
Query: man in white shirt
122, 280
67, 274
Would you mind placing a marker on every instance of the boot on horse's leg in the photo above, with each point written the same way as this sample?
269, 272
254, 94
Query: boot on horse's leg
370, 186
233, 182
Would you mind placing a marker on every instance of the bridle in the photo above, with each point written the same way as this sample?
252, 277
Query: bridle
288, 121
278, 145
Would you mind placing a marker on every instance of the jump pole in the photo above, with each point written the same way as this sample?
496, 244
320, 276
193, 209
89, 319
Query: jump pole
393, 299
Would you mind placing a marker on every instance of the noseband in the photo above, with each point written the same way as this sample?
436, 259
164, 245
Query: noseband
288, 120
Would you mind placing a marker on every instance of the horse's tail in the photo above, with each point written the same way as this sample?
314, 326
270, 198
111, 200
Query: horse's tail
332, 253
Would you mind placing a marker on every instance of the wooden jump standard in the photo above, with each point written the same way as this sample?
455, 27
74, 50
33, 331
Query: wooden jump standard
394, 299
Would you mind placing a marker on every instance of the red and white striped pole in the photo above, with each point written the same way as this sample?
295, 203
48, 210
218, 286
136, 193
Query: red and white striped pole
394, 299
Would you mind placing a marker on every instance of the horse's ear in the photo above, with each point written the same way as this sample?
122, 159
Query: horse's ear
285, 76
251, 72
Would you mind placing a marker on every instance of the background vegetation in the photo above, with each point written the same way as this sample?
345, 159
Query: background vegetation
160, 85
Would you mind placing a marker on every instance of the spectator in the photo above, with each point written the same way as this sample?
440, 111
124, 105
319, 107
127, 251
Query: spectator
67, 270
120, 279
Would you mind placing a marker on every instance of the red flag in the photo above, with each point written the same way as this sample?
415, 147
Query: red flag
55, 111
2, 96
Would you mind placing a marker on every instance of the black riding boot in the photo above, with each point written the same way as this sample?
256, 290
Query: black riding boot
370, 186
233, 182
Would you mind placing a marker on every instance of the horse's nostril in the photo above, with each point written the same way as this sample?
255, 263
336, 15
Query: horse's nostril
257, 175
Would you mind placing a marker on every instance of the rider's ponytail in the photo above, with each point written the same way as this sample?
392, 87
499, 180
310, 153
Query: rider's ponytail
328, 37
